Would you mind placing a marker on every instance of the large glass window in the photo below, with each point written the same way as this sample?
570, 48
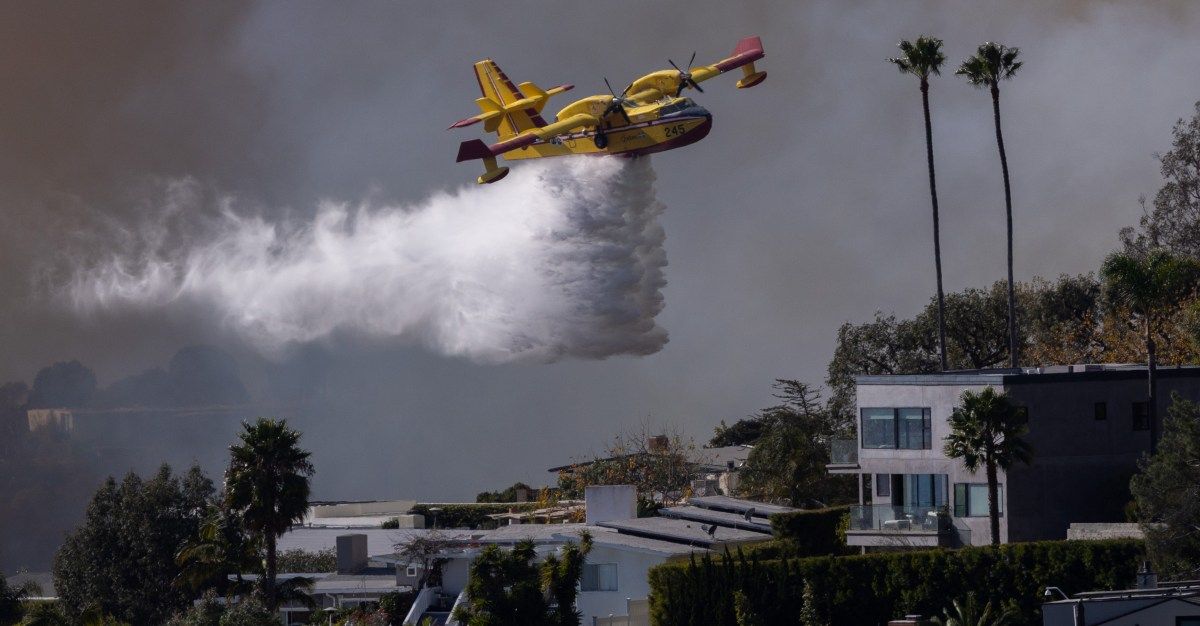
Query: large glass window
925, 490
897, 429
883, 485
598, 577
971, 499
878, 428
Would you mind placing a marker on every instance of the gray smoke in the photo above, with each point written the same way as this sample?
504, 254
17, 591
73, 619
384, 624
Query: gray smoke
562, 259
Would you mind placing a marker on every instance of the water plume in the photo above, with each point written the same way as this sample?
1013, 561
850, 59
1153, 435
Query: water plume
564, 258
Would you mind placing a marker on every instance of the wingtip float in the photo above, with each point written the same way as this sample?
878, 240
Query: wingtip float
650, 115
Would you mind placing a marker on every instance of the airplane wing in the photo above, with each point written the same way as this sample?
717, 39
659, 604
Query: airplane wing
672, 82
476, 149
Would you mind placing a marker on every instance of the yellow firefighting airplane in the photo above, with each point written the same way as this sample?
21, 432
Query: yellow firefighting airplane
650, 115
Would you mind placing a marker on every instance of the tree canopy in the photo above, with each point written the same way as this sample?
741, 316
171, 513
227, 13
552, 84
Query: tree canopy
511, 588
1167, 492
121, 560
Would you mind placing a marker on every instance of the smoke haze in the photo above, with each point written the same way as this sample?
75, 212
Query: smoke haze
806, 206
564, 259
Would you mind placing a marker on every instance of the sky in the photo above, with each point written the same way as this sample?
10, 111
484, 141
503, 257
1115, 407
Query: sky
807, 205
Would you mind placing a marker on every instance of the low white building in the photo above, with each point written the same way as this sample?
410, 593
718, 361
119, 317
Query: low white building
614, 588
1151, 604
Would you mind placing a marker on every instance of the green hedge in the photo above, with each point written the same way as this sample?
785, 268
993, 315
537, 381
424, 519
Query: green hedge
469, 515
818, 532
874, 588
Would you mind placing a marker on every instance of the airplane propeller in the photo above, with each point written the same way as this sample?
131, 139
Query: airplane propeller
685, 78
618, 103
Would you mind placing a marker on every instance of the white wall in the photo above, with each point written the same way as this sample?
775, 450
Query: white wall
632, 583
941, 400
610, 502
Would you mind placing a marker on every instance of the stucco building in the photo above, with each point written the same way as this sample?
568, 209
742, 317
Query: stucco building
1088, 426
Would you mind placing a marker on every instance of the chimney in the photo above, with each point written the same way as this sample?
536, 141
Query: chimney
1146, 578
351, 553
606, 503
659, 443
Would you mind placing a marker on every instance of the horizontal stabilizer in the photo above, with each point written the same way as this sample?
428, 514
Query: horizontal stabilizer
473, 149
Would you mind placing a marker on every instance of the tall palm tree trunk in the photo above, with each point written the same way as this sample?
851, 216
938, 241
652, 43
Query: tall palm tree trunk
1152, 386
993, 500
1012, 301
937, 237
269, 574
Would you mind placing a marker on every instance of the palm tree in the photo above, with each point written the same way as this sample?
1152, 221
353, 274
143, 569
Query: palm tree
921, 59
219, 550
1149, 287
267, 483
986, 430
968, 613
991, 64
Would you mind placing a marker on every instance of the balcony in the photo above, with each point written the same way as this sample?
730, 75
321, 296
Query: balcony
899, 526
843, 455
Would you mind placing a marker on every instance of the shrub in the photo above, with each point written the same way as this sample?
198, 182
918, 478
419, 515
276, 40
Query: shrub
297, 561
873, 588
469, 515
812, 533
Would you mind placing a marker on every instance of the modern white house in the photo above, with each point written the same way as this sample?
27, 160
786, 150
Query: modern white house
1088, 426
614, 588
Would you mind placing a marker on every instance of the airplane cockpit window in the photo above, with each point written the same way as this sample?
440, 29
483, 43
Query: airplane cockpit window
676, 106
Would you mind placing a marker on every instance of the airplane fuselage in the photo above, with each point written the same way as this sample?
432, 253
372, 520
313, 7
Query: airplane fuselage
657, 127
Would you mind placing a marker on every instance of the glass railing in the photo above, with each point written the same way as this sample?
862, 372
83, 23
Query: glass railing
899, 519
843, 452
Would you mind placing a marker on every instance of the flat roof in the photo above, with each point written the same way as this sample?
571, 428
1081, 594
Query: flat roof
739, 505
707, 458
1027, 375
316, 539
682, 531
720, 518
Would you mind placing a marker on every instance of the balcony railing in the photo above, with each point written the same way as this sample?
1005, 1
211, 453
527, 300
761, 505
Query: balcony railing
899, 519
843, 452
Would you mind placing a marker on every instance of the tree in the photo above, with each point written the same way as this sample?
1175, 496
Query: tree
1165, 491
658, 466
991, 64
267, 484
427, 552
921, 59
884, 345
66, 384
1150, 287
509, 494
509, 587
788, 461
10, 603
218, 554
986, 430
969, 613
1174, 221
121, 560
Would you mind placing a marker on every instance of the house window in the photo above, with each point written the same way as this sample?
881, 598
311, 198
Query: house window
411, 572
1141, 416
1101, 411
897, 429
971, 499
883, 485
598, 577
924, 490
